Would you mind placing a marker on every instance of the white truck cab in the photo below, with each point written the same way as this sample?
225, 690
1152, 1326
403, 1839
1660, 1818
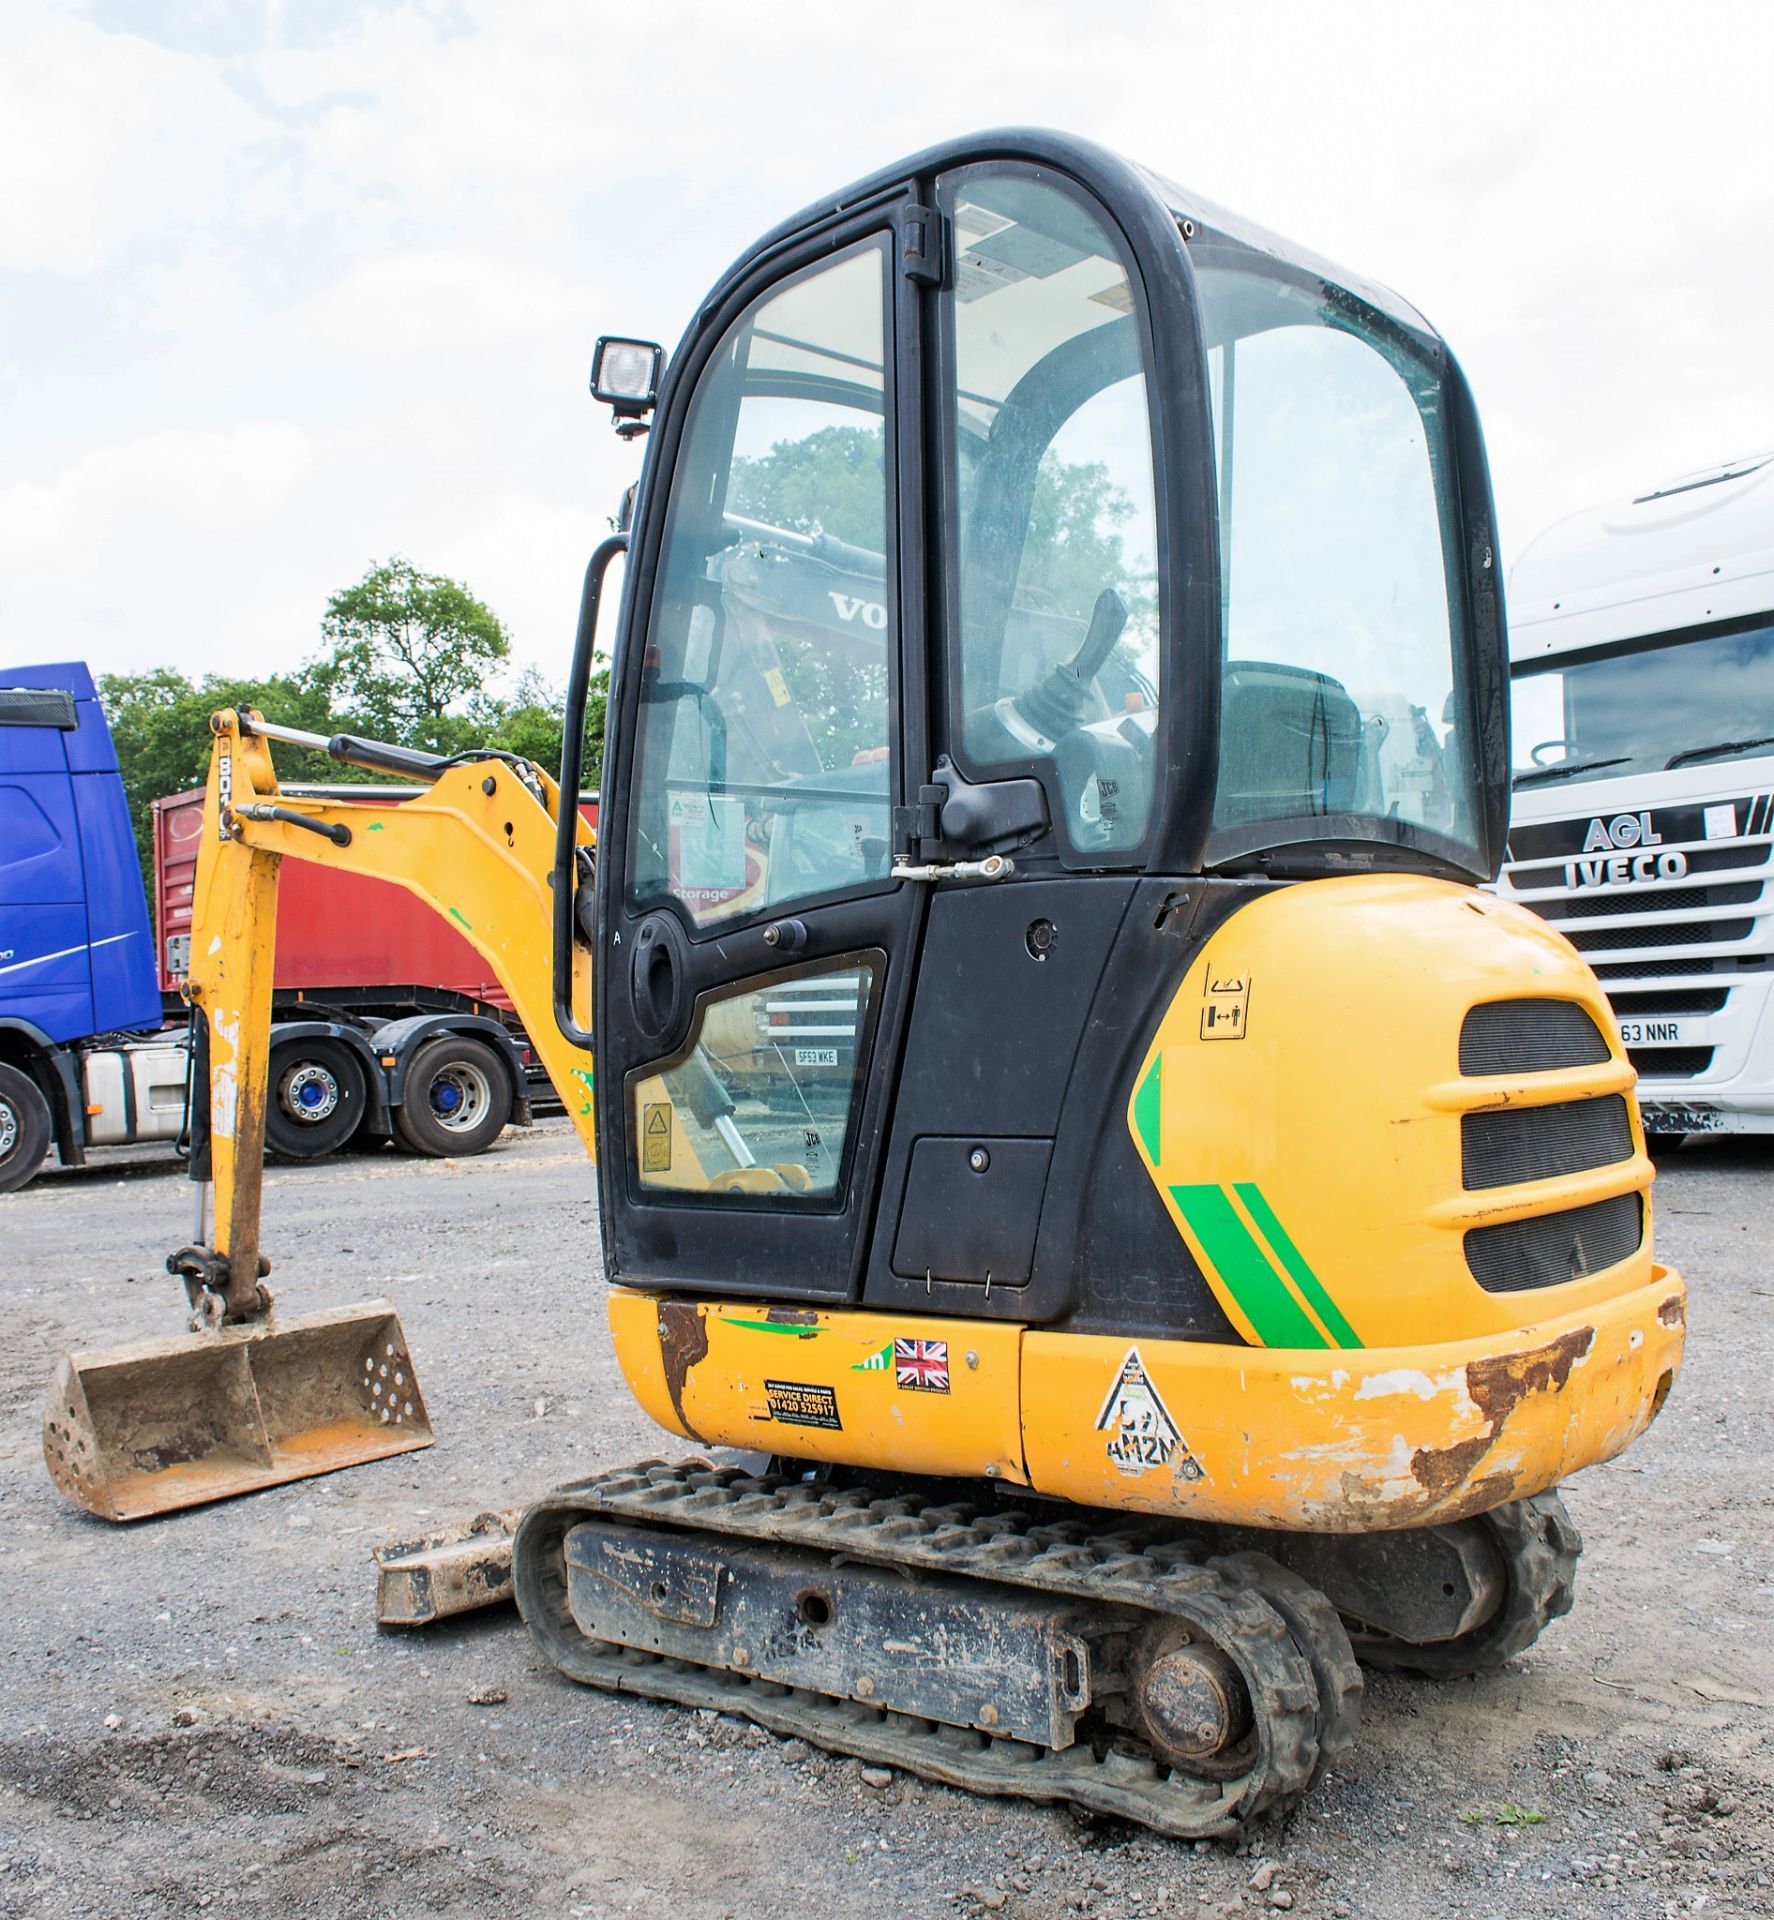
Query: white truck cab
1642, 676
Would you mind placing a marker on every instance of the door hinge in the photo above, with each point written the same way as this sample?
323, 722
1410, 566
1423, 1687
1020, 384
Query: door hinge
922, 253
918, 823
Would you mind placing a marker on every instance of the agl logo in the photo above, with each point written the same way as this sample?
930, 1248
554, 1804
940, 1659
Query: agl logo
1624, 830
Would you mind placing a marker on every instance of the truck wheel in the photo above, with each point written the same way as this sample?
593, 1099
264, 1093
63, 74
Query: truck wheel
24, 1128
316, 1098
458, 1097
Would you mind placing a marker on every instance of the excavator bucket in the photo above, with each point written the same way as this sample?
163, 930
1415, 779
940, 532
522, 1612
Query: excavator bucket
139, 1430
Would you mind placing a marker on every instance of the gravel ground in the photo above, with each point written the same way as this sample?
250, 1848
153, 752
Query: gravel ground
198, 1713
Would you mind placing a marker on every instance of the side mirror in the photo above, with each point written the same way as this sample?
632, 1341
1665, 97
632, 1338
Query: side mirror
625, 377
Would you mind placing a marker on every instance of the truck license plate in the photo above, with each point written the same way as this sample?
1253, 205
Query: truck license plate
1663, 1033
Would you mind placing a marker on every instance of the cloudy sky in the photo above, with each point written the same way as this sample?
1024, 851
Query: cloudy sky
287, 286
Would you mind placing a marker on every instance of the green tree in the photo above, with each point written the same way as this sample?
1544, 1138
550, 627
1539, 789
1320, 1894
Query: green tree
1074, 547
408, 650
531, 721
409, 656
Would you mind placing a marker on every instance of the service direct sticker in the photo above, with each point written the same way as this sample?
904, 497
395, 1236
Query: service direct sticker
797, 1404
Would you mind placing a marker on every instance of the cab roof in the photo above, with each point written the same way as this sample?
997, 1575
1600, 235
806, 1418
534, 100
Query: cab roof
1124, 187
1687, 552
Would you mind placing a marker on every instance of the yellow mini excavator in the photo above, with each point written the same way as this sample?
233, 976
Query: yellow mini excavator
1062, 1095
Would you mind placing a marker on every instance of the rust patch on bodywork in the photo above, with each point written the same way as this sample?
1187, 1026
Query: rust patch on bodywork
1496, 1386
792, 1316
1440, 1469
1672, 1312
683, 1341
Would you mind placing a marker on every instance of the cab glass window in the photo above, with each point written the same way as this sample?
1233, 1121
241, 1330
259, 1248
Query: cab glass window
763, 1101
1342, 688
1056, 600
762, 769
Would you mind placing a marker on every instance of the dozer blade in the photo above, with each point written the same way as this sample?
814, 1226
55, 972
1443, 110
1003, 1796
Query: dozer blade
139, 1430
445, 1570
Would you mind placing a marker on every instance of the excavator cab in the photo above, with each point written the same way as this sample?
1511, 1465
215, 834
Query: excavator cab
1022, 509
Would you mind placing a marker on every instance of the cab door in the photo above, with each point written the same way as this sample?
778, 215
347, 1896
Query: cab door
755, 951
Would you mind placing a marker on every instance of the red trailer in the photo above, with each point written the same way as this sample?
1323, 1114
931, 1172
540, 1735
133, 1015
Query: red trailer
388, 1021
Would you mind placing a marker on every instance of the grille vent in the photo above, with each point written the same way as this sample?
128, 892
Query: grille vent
1670, 1063
1688, 933
1633, 1006
1665, 969
1529, 1036
38, 707
1552, 1249
1538, 1143
1740, 893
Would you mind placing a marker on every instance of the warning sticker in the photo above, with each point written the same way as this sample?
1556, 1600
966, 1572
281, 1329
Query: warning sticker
798, 1405
1225, 1007
1142, 1435
656, 1137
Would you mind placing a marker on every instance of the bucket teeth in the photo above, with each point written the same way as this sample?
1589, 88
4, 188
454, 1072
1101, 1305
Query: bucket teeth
139, 1430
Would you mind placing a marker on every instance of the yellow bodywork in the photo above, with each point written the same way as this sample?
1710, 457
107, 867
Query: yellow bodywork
1299, 1110
1392, 1437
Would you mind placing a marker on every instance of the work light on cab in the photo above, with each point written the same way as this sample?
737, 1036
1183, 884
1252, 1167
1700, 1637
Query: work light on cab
625, 377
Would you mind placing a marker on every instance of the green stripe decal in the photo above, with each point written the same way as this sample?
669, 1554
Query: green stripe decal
1276, 1316
1146, 1111
1309, 1284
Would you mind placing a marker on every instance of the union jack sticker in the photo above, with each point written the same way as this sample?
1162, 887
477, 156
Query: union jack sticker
921, 1366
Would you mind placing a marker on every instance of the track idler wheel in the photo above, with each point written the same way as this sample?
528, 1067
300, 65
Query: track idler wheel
1193, 1705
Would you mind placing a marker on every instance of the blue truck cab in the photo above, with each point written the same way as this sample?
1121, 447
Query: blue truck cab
76, 952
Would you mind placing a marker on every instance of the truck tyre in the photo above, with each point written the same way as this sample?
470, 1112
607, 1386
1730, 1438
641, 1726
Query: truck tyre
458, 1097
24, 1128
316, 1098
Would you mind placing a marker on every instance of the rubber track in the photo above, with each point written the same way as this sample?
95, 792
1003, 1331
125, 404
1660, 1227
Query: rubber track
1223, 1599
1538, 1543
1318, 1630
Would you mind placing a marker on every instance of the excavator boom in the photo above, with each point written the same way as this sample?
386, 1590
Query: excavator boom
249, 1397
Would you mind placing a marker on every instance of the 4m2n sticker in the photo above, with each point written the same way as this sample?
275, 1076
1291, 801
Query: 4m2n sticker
1142, 1437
